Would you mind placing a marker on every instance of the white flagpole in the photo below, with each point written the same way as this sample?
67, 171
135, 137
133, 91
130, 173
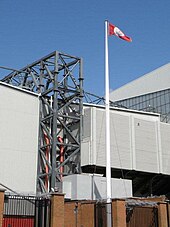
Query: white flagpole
107, 115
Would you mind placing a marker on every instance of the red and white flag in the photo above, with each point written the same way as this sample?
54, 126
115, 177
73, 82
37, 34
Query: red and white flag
113, 30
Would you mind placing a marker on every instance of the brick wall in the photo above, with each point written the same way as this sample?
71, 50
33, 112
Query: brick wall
118, 213
87, 215
82, 213
162, 214
69, 214
79, 214
57, 210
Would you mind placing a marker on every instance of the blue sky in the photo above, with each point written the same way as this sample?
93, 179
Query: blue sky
32, 29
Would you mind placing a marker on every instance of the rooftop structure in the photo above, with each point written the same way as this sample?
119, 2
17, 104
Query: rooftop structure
150, 93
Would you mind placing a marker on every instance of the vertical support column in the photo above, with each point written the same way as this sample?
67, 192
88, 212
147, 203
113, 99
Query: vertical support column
118, 213
1, 205
162, 214
54, 129
57, 210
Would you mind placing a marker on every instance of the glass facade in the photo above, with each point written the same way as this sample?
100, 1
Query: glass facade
157, 102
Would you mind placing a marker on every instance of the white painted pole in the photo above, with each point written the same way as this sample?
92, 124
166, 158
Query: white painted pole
107, 114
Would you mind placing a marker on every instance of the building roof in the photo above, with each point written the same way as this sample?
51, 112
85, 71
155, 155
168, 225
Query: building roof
157, 80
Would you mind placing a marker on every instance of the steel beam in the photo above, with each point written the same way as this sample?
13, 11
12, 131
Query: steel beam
58, 79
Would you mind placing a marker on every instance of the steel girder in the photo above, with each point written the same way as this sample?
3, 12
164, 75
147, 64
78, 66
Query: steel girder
58, 80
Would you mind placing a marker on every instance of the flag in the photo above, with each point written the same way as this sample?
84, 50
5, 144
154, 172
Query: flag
113, 30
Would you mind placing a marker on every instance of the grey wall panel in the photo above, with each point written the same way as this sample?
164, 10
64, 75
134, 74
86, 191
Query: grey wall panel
165, 143
156, 80
85, 153
87, 123
120, 140
146, 145
86, 143
100, 159
135, 140
19, 120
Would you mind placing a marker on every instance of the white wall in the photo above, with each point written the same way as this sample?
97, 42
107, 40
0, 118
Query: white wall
19, 117
93, 187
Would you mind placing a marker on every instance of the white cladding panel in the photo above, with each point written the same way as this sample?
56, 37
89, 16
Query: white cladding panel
120, 140
87, 137
135, 140
87, 122
165, 143
19, 117
146, 146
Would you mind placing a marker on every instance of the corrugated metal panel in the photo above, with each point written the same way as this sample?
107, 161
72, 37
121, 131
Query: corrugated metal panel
19, 206
23, 211
165, 143
19, 117
146, 145
18, 222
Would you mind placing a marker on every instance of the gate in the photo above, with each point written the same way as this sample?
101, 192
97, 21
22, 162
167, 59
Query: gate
22, 211
142, 216
101, 214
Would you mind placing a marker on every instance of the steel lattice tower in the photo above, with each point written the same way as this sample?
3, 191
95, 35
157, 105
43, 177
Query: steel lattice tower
58, 80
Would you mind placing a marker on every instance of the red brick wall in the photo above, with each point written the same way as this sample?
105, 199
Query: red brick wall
118, 213
82, 214
57, 210
69, 216
162, 215
87, 215
84, 217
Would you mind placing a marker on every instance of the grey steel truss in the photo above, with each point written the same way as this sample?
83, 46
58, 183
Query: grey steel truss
58, 80
97, 100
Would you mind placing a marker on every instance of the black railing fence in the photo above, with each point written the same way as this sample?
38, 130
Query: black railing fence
26, 211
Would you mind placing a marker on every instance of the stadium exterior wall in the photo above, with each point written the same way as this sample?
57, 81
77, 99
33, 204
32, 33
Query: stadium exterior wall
19, 123
139, 141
